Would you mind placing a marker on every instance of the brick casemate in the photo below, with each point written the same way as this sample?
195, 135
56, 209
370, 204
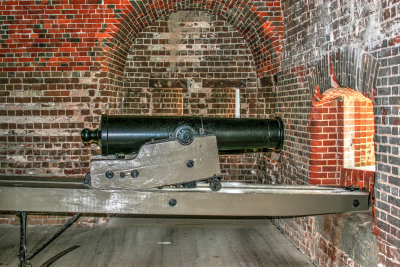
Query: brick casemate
64, 63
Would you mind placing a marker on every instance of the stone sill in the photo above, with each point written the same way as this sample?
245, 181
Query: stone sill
363, 168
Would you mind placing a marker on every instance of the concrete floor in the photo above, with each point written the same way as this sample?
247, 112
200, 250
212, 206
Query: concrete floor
160, 242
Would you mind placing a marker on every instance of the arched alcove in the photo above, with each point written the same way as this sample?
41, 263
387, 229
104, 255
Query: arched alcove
260, 30
194, 63
196, 53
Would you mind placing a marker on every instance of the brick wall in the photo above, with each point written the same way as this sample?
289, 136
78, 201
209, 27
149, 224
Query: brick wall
199, 53
316, 32
41, 114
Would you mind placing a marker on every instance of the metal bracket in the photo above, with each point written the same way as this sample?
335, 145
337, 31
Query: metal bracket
23, 256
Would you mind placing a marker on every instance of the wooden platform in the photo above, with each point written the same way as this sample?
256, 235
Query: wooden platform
160, 242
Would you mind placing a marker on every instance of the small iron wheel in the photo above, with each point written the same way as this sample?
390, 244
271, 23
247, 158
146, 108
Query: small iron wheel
215, 185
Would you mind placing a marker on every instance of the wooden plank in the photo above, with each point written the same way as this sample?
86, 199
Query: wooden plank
9, 250
56, 179
200, 201
91, 242
42, 184
166, 242
109, 257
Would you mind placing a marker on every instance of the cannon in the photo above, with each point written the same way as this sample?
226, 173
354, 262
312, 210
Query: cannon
161, 151
126, 134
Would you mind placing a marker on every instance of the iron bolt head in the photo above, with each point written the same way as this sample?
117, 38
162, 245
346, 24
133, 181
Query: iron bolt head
135, 174
190, 163
109, 174
172, 202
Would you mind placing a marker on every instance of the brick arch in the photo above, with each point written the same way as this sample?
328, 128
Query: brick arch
204, 85
342, 84
349, 67
254, 25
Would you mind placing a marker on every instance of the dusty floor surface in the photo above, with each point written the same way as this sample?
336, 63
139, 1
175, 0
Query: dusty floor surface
159, 242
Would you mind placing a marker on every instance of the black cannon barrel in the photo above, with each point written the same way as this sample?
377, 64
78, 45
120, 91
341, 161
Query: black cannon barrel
122, 134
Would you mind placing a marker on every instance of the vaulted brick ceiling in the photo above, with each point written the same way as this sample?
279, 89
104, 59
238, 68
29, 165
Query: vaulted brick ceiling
261, 27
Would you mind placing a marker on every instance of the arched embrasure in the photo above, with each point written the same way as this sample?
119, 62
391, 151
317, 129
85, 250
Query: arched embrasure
342, 132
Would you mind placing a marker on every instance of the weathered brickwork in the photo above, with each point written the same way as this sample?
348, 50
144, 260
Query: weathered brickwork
199, 53
334, 240
313, 29
358, 178
41, 114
